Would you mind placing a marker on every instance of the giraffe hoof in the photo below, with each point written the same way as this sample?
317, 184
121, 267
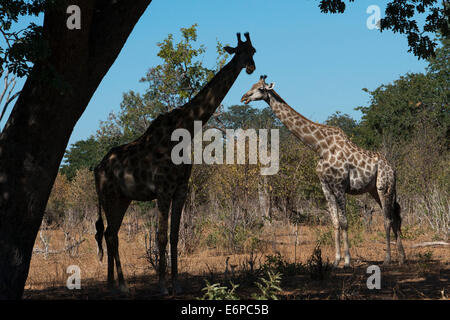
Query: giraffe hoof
347, 261
111, 287
177, 289
163, 291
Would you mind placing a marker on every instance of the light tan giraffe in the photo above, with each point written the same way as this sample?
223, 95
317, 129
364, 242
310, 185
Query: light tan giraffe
143, 169
343, 168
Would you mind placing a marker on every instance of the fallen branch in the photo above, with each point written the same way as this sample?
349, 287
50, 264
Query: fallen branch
429, 244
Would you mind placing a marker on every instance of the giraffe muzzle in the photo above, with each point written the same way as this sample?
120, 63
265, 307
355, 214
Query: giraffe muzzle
250, 68
245, 99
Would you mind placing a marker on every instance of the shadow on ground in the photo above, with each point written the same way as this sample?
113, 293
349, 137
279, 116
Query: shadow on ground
414, 280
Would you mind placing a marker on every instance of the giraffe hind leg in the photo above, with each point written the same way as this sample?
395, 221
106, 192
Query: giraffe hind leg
114, 212
178, 201
387, 206
396, 227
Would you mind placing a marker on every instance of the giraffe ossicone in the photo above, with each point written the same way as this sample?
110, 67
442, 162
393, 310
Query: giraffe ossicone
343, 168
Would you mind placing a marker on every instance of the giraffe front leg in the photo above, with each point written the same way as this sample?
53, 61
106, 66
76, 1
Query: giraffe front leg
347, 257
332, 208
343, 224
122, 283
337, 242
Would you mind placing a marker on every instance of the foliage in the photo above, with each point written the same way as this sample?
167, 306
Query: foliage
325, 237
424, 265
276, 264
82, 192
22, 47
245, 116
296, 182
396, 109
217, 292
57, 202
170, 84
345, 122
82, 154
318, 269
402, 16
75, 197
269, 288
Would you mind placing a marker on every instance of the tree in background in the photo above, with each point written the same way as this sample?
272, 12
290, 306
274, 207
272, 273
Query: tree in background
82, 154
57, 202
170, 84
345, 122
396, 109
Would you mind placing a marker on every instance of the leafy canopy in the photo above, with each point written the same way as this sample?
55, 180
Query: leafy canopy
395, 109
21, 47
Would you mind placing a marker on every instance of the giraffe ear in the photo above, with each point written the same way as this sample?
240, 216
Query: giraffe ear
271, 86
229, 50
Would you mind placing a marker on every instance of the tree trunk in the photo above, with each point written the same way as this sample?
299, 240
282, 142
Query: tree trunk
54, 97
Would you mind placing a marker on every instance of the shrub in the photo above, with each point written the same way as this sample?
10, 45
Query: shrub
269, 288
217, 292
317, 268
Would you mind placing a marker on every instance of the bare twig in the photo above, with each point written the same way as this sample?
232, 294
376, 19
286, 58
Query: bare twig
8, 102
9, 85
46, 251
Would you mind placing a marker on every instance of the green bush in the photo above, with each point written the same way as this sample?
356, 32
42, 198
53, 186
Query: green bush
217, 292
269, 288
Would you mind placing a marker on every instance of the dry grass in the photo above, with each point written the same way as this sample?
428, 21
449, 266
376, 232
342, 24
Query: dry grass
424, 276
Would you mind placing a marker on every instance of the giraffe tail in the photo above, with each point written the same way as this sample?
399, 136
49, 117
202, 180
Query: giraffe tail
100, 230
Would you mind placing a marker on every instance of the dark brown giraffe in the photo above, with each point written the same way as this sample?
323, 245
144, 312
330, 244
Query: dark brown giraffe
343, 168
143, 169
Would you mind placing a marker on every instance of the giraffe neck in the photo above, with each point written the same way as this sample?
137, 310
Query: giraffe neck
309, 132
205, 103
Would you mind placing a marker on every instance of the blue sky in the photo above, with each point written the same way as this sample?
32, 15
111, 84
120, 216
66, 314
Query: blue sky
319, 62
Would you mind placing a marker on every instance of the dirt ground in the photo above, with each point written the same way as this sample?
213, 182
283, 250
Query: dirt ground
425, 275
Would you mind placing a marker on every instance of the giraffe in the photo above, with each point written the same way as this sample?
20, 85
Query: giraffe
143, 170
342, 168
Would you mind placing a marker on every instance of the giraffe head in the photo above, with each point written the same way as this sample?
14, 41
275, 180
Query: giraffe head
243, 53
259, 91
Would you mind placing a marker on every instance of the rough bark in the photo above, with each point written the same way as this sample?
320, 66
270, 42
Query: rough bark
54, 96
